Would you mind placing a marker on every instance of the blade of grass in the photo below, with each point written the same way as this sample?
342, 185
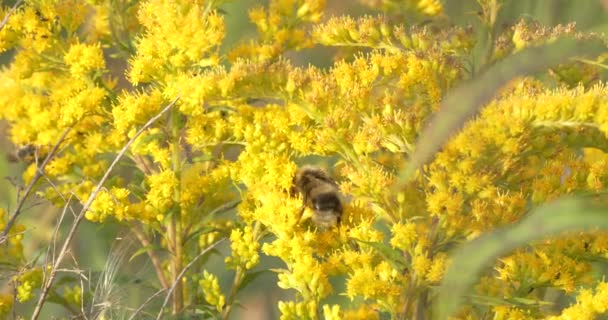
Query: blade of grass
464, 102
469, 261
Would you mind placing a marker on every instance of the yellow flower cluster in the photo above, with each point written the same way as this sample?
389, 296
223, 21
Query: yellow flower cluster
421, 7
163, 52
589, 304
12, 252
378, 33
530, 33
161, 195
297, 310
112, 202
133, 110
281, 27
244, 247
211, 290
83, 58
73, 295
28, 281
6, 305
239, 131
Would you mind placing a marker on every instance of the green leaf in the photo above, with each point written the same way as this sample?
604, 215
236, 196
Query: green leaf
151, 137
516, 302
464, 102
522, 302
145, 249
249, 277
198, 232
203, 158
390, 254
473, 258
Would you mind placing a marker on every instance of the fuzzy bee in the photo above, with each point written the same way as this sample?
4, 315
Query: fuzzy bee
24, 153
321, 194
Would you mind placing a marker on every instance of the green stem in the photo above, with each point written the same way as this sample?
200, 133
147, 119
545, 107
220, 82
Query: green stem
238, 278
175, 226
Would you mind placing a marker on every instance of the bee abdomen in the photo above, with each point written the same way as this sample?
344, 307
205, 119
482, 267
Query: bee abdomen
327, 201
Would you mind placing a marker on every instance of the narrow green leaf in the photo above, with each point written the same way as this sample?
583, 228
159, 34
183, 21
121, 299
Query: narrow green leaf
250, 276
204, 230
463, 102
516, 302
152, 137
528, 302
469, 261
144, 250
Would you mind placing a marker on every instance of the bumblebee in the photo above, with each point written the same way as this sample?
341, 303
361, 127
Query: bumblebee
24, 153
321, 194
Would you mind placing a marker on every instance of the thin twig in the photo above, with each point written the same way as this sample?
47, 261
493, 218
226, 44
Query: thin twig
47, 284
15, 301
181, 274
80, 272
225, 207
13, 8
138, 310
158, 267
30, 187
50, 252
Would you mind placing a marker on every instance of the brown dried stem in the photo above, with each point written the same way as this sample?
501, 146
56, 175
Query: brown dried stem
158, 267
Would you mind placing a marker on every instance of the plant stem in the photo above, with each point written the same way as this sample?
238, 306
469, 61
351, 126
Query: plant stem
238, 278
175, 227
158, 267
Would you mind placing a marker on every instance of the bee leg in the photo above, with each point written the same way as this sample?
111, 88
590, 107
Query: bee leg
304, 200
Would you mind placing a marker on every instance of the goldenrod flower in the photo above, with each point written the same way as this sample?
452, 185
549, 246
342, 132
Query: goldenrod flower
6, 304
27, 283
83, 58
244, 249
211, 290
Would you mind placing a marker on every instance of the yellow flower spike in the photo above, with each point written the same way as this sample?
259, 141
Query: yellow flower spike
244, 249
589, 304
211, 290
430, 7
102, 207
331, 312
84, 58
600, 302
404, 235
365, 112
71, 13
6, 305
161, 190
437, 269
134, 109
73, 295
364, 312
162, 49
421, 264
27, 282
